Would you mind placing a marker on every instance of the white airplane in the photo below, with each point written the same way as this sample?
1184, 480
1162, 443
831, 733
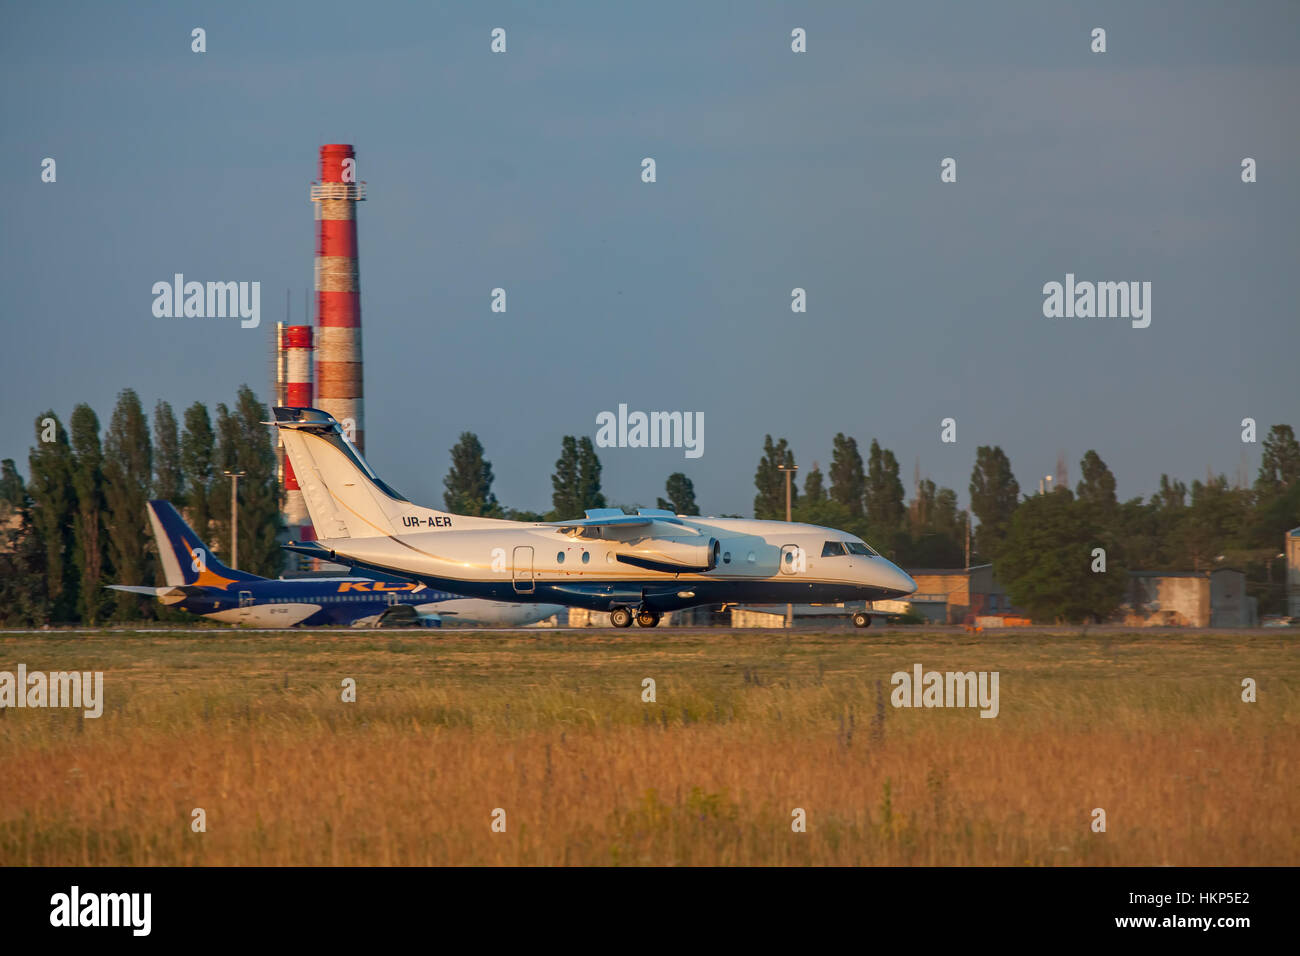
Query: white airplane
633, 566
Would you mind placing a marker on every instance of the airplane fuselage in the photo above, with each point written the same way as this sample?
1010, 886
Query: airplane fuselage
756, 561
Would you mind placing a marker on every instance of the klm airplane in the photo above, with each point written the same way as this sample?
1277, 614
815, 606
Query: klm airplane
200, 584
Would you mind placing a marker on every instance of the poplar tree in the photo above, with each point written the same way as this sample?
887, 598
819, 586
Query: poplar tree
681, 495
128, 474
468, 484
53, 510
168, 478
769, 503
89, 532
197, 450
994, 497
848, 481
886, 511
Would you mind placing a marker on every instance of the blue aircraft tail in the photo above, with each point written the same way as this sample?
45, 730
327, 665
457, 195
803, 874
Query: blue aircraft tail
186, 559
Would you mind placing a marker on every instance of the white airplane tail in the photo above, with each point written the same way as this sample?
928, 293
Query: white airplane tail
345, 498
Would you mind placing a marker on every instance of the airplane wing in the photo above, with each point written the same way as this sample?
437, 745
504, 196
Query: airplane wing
597, 518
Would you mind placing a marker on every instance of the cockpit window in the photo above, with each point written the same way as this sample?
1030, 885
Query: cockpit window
857, 547
832, 549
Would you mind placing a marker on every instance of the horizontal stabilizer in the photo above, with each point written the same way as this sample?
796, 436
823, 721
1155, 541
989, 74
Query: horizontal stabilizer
166, 595
313, 549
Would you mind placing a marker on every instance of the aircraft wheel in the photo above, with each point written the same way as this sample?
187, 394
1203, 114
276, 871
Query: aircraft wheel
647, 618
861, 619
620, 617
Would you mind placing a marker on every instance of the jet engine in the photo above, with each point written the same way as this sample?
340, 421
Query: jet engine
673, 556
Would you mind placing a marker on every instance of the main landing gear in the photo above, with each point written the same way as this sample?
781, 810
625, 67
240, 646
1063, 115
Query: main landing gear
861, 619
622, 617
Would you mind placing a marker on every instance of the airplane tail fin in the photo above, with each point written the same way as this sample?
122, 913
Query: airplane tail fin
186, 559
344, 496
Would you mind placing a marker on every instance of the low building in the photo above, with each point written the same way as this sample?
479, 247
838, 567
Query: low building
958, 595
1188, 599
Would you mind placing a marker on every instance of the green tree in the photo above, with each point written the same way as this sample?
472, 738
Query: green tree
589, 475
1279, 466
576, 481
468, 483
848, 481
88, 527
245, 444
681, 495
128, 472
769, 503
197, 451
168, 476
224, 460
23, 601
1098, 484
565, 499
938, 529
1046, 561
53, 511
1212, 524
994, 498
13, 492
886, 511
814, 488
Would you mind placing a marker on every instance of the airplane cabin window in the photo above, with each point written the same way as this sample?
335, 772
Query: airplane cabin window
586, 557
832, 549
726, 557
559, 557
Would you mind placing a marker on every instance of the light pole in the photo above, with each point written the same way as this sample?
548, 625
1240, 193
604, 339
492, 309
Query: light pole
234, 477
789, 471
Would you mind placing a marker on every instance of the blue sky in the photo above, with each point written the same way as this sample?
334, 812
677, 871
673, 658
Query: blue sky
775, 170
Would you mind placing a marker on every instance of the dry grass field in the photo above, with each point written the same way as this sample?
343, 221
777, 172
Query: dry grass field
748, 725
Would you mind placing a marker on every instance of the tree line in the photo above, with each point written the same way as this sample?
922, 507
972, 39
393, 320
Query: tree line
79, 522
1043, 546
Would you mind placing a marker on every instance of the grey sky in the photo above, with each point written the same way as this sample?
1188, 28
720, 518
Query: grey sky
775, 170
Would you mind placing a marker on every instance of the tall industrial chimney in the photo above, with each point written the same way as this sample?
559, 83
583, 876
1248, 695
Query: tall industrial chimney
338, 290
296, 365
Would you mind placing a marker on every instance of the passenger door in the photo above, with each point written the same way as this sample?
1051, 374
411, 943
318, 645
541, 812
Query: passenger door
523, 570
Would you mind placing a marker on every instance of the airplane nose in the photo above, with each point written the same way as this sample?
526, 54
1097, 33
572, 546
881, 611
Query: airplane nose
896, 579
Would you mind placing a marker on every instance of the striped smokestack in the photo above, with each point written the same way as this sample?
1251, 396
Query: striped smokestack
296, 362
338, 290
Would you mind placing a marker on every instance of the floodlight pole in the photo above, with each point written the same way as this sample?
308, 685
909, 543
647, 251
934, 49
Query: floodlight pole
234, 477
789, 471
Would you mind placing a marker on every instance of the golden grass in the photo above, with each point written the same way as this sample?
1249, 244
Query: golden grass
748, 725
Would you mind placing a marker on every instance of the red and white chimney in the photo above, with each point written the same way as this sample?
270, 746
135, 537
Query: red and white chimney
338, 291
